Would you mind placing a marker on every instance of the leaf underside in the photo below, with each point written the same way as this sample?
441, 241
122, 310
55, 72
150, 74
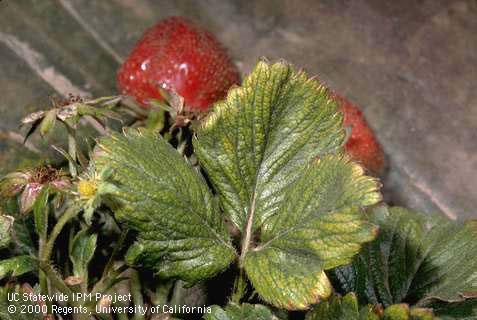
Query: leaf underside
272, 151
424, 260
181, 232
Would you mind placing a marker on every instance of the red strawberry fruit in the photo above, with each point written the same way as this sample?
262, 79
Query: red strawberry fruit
177, 55
361, 145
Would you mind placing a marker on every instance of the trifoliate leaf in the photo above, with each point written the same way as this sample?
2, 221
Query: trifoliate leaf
256, 142
259, 147
82, 251
240, 312
347, 308
181, 231
418, 259
17, 266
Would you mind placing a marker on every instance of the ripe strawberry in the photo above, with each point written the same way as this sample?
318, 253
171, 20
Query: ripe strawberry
176, 54
361, 145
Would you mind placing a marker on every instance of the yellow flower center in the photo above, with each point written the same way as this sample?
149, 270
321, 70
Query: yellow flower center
87, 188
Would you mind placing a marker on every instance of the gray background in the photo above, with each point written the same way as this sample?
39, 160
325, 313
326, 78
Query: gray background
410, 65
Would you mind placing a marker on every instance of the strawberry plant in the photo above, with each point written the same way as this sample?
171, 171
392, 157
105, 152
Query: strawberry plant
254, 211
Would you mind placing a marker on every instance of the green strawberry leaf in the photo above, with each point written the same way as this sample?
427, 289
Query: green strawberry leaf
81, 253
40, 212
466, 310
347, 308
298, 215
416, 258
17, 266
240, 312
22, 241
181, 230
257, 142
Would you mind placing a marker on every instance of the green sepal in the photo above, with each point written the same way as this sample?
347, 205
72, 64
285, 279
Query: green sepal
156, 120
48, 122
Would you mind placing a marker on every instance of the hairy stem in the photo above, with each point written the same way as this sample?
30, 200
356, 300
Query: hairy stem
240, 285
43, 280
107, 282
161, 294
42, 235
136, 293
56, 281
122, 316
45, 250
177, 293
70, 213
59, 284
117, 247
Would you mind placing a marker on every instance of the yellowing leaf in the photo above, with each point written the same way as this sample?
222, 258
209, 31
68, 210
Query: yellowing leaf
298, 215
257, 141
318, 227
